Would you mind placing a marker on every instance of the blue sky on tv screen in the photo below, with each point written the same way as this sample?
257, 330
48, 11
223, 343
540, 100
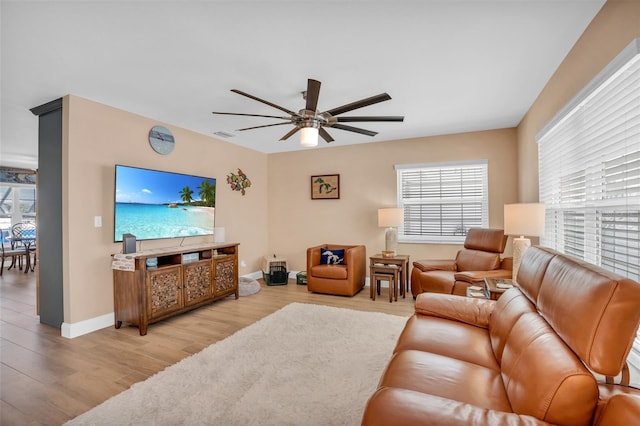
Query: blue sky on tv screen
144, 186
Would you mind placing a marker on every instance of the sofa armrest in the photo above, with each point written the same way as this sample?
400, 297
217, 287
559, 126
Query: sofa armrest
479, 276
401, 407
435, 265
468, 310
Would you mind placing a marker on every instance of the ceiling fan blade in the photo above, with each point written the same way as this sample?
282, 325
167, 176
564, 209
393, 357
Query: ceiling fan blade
370, 118
266, 125
354, 129
250, 115
291, 133
240, 92
313, 91
325, 135
359, 104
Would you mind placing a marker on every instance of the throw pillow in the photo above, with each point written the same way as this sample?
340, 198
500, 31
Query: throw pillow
332, 257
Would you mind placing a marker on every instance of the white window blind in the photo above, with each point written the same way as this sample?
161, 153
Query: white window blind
442, 201
589, 168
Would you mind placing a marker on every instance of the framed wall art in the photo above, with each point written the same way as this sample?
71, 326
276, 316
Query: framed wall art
325, 187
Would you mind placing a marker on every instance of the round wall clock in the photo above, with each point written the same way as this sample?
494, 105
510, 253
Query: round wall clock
161, 140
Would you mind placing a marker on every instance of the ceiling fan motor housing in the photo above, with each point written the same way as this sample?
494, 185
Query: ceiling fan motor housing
309, 118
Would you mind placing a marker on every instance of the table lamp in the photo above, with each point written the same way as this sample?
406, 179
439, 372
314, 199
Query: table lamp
390, 218
524, 219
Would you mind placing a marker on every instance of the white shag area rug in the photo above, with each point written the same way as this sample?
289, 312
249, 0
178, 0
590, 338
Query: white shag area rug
302, 365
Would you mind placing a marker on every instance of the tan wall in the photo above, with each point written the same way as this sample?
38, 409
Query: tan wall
96, 137
368, 182
615, 26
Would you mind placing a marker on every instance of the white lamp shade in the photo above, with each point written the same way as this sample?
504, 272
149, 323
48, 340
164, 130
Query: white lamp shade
524, 219
391, 217
309, 136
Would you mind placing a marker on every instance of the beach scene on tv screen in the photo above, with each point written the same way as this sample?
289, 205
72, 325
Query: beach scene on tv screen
153, 204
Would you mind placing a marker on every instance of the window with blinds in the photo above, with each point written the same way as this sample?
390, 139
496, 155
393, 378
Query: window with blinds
442, 201
589, 174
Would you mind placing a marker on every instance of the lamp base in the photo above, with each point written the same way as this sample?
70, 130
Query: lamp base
520, 245
390, 240
388, 254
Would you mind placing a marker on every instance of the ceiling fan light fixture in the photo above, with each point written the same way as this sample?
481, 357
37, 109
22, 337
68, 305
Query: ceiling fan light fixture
309, 136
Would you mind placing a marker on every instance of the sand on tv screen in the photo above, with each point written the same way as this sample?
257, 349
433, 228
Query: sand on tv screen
153, 204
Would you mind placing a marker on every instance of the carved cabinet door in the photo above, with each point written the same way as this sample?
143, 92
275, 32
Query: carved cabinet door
164, 291
225, 279
197, 282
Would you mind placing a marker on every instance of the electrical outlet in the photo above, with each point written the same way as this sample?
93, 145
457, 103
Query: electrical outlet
97, 221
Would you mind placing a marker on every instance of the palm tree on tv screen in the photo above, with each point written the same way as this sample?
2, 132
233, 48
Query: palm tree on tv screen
207, 193
186, 195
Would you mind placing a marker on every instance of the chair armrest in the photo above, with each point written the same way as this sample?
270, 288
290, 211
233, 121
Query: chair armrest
468, 310
354, 254
355, 259
507, 263
435, 265
404, 407
479, 276
313, 256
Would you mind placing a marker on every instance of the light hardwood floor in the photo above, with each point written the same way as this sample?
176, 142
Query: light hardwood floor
47, 379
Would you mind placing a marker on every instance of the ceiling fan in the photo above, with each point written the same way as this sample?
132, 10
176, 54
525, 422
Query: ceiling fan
312, 122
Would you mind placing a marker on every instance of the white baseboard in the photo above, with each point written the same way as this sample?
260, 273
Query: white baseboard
72, 330
76, 329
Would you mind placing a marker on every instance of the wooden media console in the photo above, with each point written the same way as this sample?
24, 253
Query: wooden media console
152, 285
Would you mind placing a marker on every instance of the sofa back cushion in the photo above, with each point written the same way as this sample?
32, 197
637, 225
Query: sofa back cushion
506, 312
543, 377
532, 269
594, 311
477, 260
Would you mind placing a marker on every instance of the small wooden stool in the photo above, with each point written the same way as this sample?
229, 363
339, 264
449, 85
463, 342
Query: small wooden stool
388, 273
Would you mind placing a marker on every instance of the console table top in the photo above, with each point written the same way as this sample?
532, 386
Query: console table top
126, 261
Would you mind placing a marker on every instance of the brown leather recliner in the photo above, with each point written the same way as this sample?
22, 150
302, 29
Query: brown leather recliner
479, 258
344, 279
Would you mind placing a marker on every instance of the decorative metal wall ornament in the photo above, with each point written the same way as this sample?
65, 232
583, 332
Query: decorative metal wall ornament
239, 182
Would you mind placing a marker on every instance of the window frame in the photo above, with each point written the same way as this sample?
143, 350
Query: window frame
476, 166
593, 204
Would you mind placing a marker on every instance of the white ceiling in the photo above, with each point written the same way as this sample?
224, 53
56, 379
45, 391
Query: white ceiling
449, 66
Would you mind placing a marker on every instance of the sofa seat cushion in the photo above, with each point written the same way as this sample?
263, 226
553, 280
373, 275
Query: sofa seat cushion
442, 376
333, 272
449, 338
403, 407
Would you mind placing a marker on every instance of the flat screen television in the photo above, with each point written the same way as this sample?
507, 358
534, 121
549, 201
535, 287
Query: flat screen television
153, 204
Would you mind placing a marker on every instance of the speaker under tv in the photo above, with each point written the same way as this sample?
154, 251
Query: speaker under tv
128, 243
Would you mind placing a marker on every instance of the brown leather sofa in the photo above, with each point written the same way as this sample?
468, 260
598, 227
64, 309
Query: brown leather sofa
345, 279
479, 258
528, 358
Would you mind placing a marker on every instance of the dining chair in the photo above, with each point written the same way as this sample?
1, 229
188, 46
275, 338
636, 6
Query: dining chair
23, 237
7, 252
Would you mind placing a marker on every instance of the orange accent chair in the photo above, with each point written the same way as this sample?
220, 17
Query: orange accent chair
479, 258
345, 278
